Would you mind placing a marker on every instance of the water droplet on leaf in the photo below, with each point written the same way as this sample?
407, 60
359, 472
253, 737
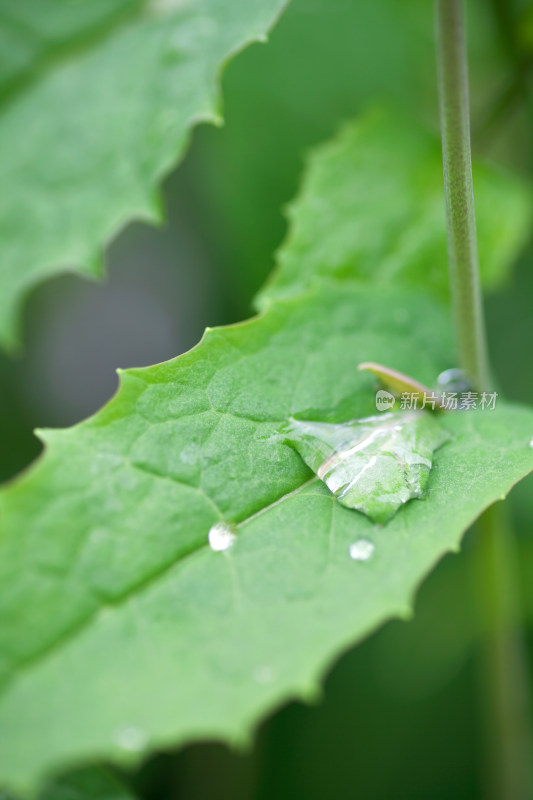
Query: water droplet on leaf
221, 536
454, 380
130, 738
373, 464
264, 674
362, 550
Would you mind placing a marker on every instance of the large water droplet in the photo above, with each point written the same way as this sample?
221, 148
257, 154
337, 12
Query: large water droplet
221, 536
375, 464
362, 550
130, 738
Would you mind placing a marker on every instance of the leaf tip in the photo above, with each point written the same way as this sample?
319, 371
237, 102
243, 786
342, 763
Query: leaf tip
312, 693
406, 613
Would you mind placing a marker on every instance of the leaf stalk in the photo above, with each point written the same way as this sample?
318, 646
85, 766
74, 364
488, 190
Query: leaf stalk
457, 162
507, 704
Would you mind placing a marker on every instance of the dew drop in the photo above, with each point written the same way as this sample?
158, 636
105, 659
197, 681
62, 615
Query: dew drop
362, 550
221, 536
264, 674
190, 454
531, 442
130, 738
454, 380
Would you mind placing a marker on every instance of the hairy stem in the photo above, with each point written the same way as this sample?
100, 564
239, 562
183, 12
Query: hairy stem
457, 161
509, 773
506, 695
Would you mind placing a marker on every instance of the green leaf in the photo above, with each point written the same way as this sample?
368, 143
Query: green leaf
123, 631
87, 137
32, 33
92, 783
374, 464
372, 207
87, 784
282, 100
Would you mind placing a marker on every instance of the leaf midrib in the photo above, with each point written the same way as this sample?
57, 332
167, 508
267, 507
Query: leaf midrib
145, 582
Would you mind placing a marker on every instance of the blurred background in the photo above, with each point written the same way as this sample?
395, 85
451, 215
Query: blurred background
409, 697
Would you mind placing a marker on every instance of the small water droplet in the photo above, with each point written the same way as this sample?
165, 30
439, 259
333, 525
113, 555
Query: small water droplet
264, 674
362, 550
454, 380
191, 454
531, 442
221, 536
130, 738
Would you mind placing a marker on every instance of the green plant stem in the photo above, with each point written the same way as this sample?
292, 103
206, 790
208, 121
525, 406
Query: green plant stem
506, 696
457, 162
509, 772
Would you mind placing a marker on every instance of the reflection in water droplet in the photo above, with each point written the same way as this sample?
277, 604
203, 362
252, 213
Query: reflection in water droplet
374, 464
191, 454
221, 536
531, 442
362, 550
130, 738
264, 674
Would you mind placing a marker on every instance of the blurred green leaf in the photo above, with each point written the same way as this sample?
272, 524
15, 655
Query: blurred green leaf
87, 139
326, 61
91, 783
87, 784
372, 207
32, 33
